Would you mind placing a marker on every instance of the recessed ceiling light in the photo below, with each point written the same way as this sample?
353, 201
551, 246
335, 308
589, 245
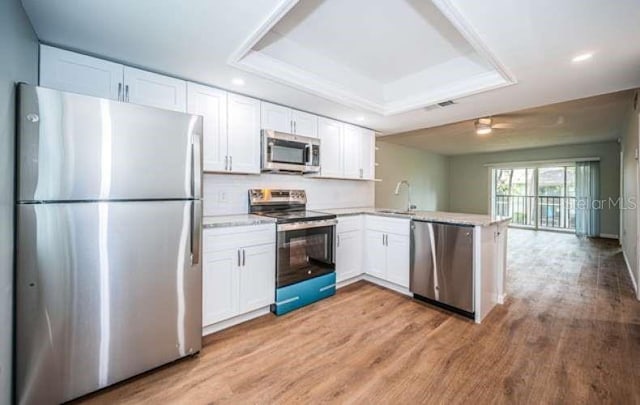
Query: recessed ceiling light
582, 57
360, 118
237, 81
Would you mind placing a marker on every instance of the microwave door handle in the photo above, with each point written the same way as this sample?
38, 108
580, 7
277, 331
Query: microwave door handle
308, 148
271, 153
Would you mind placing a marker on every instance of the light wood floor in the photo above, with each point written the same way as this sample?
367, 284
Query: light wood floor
568, 333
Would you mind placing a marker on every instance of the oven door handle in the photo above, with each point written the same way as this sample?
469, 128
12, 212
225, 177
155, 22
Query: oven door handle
306, 225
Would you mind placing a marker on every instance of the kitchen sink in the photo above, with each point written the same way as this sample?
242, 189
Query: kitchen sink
399, 212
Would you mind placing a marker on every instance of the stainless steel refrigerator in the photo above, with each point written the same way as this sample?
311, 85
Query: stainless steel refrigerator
108, 269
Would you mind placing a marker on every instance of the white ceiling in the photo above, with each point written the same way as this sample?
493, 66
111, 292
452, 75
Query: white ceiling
533, 39
592, 119
356, 33
333, 48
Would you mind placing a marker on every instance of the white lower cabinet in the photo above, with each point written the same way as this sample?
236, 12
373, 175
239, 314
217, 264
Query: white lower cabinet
238, 272
375, 245
219, 286
348, 248
257, 277
375, 253
397, 260
387, 249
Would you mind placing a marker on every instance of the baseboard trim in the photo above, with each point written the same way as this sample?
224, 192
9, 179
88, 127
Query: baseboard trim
633, 279
387, 284
348, 281
236, 320
377, 281
608, 236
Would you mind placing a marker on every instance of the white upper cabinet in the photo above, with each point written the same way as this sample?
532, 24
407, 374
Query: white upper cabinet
290, 121
77, 73
346, 151
243, 125
212, 105
367, 154
352, 150
146, 88
304, 123
331, 161
276, 117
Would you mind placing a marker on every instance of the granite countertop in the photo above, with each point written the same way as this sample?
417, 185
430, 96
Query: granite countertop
436, 216
221, 221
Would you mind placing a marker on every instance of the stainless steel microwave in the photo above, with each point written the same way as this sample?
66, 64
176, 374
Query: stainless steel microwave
289, 153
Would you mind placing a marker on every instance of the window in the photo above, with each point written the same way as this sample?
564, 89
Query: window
542, 197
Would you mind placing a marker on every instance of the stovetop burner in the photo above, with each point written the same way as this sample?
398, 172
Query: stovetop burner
283, 217
285, 206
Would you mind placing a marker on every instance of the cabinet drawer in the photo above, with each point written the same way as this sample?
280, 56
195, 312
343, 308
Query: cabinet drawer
216, 239
349, 223
398, 226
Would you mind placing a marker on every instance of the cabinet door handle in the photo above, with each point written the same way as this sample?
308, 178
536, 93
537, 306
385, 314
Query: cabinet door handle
230, 163
338, 240
238, 257
383, 239
126, 93
119, 91
226, 163
244, 258
295, 129
361, 173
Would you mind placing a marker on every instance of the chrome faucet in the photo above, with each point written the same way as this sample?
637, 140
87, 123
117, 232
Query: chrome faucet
410, 206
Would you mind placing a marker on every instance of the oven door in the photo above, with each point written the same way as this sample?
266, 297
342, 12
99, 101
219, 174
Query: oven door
305, 250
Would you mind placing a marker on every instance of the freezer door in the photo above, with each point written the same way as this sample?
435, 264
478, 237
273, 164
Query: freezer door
104, 291
75, 147
454, 265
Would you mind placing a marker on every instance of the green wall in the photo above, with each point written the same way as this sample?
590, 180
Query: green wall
425, 171
468, 176
18, 62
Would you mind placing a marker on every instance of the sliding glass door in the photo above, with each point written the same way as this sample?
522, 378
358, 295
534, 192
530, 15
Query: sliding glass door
536, 197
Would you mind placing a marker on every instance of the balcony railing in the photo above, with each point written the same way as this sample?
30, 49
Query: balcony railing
538, 211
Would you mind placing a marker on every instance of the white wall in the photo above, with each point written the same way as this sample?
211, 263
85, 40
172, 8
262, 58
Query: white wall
226, 194
425, 171
18, 62
629, 232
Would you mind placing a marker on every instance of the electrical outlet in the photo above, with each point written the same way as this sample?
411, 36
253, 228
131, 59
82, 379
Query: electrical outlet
222, 196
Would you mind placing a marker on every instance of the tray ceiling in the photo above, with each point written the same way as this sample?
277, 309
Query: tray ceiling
355, 52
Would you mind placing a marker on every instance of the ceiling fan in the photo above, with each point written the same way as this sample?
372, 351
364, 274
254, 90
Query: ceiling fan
486, 125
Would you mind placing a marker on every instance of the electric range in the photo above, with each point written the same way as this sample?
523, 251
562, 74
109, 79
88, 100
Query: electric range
305, 256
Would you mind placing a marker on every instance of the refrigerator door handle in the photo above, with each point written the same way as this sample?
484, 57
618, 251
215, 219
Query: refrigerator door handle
196, 231
196, 175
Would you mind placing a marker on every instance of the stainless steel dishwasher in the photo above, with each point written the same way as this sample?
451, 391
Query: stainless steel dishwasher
442, 265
